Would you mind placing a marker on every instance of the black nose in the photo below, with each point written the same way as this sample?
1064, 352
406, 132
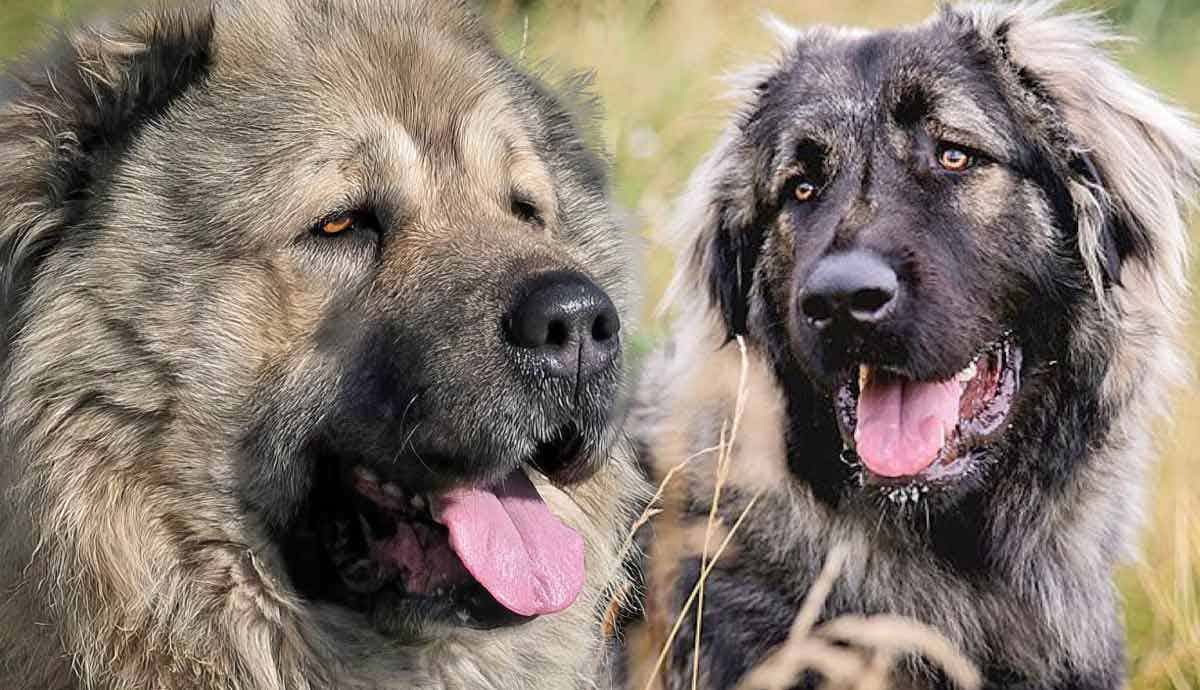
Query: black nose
567, 323
857, 287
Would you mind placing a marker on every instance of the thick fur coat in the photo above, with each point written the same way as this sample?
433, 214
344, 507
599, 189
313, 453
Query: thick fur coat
1021, 189
243, 243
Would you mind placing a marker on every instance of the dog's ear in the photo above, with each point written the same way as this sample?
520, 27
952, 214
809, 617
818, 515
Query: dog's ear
729, 256
719, 239
65, 119
717, 225
1115, 239
1135, 158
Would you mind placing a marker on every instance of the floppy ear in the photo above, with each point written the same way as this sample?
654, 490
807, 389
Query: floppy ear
63, 122
720, 242
726, 253
715, 227
730, 256
1115, 239
1136, 159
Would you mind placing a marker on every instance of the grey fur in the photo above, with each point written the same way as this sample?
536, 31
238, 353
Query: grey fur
1025, 587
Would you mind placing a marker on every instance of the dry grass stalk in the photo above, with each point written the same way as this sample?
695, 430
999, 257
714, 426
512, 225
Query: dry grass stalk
724, 462
722, 469
877, 643
718, 483
620, 597
652, 510
904, 635
687, 606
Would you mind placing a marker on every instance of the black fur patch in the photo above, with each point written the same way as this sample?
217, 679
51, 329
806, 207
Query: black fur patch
733, 270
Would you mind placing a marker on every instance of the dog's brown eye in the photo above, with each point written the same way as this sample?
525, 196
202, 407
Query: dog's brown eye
805, 191
954, 159
346, 223
336, 226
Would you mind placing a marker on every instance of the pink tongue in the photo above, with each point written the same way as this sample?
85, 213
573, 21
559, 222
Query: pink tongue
903, 424
514, 546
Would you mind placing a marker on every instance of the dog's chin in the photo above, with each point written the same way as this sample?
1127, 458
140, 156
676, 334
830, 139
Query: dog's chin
416, 561
906, 438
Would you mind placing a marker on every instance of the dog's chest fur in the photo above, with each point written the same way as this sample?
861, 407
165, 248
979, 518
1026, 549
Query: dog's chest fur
1041, 607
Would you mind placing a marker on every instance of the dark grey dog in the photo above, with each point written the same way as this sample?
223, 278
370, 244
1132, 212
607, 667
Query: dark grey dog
956, 253
310, 359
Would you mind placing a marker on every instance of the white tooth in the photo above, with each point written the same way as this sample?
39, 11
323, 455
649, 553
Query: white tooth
864, 375
366, 475
417, 501
393, 490
969, 373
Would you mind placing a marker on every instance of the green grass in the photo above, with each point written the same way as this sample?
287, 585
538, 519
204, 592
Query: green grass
655, 64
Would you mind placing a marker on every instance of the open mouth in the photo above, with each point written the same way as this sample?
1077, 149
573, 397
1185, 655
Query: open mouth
904, 431
473, 555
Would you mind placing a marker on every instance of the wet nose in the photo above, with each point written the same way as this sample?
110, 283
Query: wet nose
567, 324
856, 287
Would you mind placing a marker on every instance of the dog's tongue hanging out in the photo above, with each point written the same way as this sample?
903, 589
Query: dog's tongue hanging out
902, 424
514, 546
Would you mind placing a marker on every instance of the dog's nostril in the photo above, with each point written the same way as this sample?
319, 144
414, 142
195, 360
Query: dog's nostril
558, 334
817, 309
605, 326
871, 300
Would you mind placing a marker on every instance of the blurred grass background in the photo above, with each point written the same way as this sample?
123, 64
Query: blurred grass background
656, 64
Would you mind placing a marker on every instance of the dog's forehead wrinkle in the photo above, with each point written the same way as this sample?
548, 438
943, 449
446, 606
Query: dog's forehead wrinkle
958, 111
963, 93
398, 151
383, 154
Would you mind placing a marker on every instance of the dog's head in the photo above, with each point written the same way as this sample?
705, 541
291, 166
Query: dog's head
960, 244
344, 265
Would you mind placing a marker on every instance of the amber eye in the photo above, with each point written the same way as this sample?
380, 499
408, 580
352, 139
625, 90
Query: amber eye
336, 225
805, 191
954, 159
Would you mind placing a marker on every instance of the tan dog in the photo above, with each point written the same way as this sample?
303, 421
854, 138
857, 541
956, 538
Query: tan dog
311, 349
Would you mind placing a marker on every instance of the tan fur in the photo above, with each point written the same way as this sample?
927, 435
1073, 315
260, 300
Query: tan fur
126, 559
